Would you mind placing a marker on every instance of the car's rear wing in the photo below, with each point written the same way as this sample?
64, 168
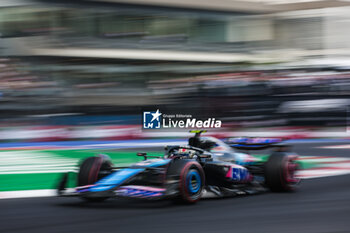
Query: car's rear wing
248, 143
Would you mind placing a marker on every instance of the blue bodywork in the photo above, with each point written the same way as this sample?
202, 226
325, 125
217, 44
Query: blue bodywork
252, 143
117, 178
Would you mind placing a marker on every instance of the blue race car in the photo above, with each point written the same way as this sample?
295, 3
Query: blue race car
206, 166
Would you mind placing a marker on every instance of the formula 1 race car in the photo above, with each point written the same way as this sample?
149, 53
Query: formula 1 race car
206, 166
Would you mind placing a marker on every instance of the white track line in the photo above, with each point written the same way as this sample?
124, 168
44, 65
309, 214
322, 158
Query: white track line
28, 193
318, 173
33, 162
346, 146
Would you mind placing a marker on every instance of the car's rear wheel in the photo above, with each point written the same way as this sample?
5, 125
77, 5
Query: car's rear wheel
280, 172
91, 170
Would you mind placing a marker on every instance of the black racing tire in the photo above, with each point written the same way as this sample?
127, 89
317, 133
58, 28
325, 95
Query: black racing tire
191, 180
91, 170
279, 172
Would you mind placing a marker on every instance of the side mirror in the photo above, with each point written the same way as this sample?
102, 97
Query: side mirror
143, 154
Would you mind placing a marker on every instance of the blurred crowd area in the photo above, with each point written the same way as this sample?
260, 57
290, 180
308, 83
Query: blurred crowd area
241, 99
93, 63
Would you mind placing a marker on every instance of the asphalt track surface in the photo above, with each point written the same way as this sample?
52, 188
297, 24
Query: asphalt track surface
321, 205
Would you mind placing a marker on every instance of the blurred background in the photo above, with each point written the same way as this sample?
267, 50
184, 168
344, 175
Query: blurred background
76, 76
86, 69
